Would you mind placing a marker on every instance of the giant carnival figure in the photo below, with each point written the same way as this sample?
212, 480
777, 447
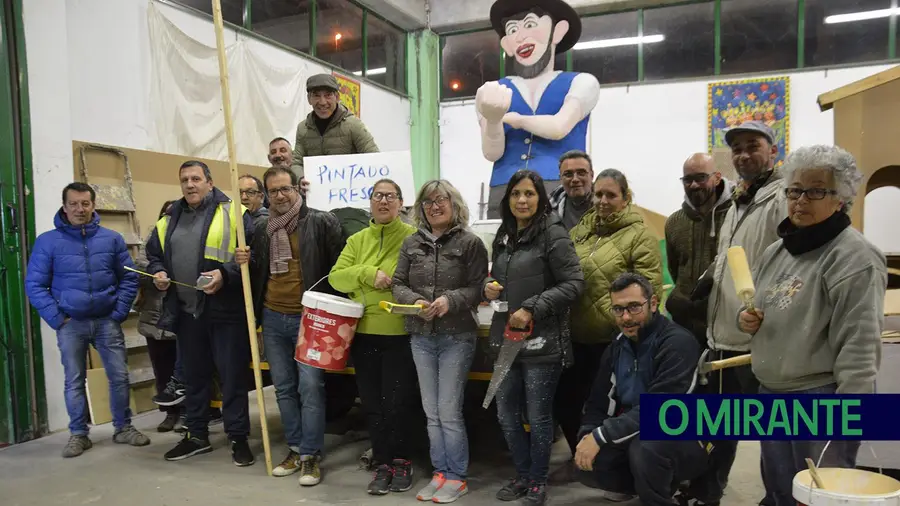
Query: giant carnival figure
529, 119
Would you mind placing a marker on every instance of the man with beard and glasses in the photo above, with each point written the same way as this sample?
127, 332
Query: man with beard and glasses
573, 197
692, 237
758, 206
281, 156
530, 119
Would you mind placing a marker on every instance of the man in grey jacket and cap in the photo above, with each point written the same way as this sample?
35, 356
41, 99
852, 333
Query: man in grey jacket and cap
758, 206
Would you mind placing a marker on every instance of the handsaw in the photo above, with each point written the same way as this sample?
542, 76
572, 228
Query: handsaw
407, 309
513, 340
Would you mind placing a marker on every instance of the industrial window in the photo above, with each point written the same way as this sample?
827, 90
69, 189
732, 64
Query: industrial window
386, 54
679, 41
468, 61
339, 38
846, 31
284, 21
758, 35
608, 47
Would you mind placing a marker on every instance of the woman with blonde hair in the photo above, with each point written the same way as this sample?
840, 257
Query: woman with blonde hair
442, 268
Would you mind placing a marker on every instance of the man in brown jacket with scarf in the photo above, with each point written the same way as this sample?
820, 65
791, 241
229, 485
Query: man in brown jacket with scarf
294, 249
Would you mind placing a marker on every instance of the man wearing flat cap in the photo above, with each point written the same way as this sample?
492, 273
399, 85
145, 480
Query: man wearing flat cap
528, 120
330, 129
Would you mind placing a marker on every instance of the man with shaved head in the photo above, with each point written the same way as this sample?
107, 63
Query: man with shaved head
692, 236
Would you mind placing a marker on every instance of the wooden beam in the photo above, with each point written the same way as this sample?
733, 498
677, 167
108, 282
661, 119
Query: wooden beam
826, 100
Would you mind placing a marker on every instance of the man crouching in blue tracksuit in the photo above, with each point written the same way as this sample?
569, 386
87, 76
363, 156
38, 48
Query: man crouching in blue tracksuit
651, 355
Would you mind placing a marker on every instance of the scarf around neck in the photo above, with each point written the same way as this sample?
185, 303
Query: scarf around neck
803, 240
745, 190
280, 228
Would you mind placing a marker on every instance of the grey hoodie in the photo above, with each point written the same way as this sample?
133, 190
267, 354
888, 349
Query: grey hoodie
754, 227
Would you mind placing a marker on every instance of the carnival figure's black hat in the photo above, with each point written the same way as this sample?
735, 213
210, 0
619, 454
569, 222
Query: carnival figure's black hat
559, 10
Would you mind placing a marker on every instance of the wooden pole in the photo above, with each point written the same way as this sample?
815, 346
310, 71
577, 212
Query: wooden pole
237, 214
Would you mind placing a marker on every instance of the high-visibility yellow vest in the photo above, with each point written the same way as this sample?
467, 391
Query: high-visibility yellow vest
221, 239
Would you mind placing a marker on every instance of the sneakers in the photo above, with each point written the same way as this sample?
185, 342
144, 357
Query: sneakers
614, 496
451, 491
188, 447
215, 416
427, 493
128, 435
180, 426
173, 395
310, 474
536, 496
683, 499
76, 446
381, 483
241, 454
514, 490
403, 476
168, 424
288, 466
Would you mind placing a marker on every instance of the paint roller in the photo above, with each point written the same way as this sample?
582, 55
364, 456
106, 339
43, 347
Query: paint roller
740, 273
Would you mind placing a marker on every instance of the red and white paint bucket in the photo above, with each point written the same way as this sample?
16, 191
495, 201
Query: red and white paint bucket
327, 330
846, 487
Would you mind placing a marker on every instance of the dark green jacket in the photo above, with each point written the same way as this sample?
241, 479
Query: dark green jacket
692, 242
345, 135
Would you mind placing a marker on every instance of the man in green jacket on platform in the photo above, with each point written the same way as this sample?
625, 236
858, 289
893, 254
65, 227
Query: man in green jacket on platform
330, 129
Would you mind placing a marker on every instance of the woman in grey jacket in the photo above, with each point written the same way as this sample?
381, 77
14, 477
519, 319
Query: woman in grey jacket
442, 268
537, 273
819, 308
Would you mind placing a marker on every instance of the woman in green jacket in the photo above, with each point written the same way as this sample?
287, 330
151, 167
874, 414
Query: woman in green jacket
381, 353
611, 239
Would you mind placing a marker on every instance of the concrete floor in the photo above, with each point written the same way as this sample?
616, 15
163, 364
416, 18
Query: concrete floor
33, 473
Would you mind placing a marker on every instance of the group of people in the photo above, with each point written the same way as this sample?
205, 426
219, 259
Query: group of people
577, 268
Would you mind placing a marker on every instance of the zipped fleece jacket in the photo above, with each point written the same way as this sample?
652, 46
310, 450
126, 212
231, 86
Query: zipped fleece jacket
692, 241
78, 271
663, 360
824, 313
454, 266
607, 248
755, 227
345, 135
368, 251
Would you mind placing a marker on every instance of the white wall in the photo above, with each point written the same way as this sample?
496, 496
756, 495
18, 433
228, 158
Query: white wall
647, 131
89, 68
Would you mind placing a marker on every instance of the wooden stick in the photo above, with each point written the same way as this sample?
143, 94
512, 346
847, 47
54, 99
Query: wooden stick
729, 362
237, 216
815, 473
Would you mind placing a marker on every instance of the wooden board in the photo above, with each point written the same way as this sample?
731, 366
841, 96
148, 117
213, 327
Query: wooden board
892, 303
155, 179
97, 387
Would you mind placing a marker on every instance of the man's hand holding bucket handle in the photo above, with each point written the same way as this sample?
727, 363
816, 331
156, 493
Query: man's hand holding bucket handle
382, 280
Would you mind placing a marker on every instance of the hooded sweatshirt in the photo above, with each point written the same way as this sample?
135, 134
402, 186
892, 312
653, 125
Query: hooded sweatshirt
821, 290
692, 241
607, 248
373, 249
753, 227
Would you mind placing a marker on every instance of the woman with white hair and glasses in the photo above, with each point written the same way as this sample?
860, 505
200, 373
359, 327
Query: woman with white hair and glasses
819, 308
442, 267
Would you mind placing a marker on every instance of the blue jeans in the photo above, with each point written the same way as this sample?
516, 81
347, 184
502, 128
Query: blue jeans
536, 383
442, 364
73, 339
781, 460
299, 388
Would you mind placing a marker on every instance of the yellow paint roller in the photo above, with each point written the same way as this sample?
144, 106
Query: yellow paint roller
406, 309
740, 273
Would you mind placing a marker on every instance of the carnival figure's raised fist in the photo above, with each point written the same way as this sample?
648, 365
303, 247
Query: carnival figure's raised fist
492, 100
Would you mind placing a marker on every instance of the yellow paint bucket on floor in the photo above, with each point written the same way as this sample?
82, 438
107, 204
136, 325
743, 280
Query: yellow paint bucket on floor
846, 487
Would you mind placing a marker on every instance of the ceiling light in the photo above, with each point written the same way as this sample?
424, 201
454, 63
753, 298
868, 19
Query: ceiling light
338, 36
372, 72
624, 41
860, 16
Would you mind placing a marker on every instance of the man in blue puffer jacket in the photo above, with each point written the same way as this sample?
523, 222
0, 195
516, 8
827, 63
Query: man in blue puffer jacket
78, 283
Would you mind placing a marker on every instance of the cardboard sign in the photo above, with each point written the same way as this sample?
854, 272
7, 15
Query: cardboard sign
348, 180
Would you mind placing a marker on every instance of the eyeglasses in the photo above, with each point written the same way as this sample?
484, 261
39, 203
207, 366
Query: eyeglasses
571, 174
634, 308
250, 192
811, 193
389, 196
694, 178
285, 190
443, 199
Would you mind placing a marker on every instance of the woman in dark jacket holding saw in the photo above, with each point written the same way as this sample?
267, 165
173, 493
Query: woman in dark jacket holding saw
536, 273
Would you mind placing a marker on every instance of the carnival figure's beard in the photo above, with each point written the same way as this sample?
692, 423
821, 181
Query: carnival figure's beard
534, 70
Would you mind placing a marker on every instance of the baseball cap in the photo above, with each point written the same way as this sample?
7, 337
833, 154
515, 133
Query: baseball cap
757, 127
322, 81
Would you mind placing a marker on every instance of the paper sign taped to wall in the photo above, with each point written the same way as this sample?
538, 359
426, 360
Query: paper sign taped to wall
348, 180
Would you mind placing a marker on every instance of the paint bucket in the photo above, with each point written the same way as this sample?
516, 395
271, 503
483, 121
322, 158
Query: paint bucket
846, 487
327, 330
